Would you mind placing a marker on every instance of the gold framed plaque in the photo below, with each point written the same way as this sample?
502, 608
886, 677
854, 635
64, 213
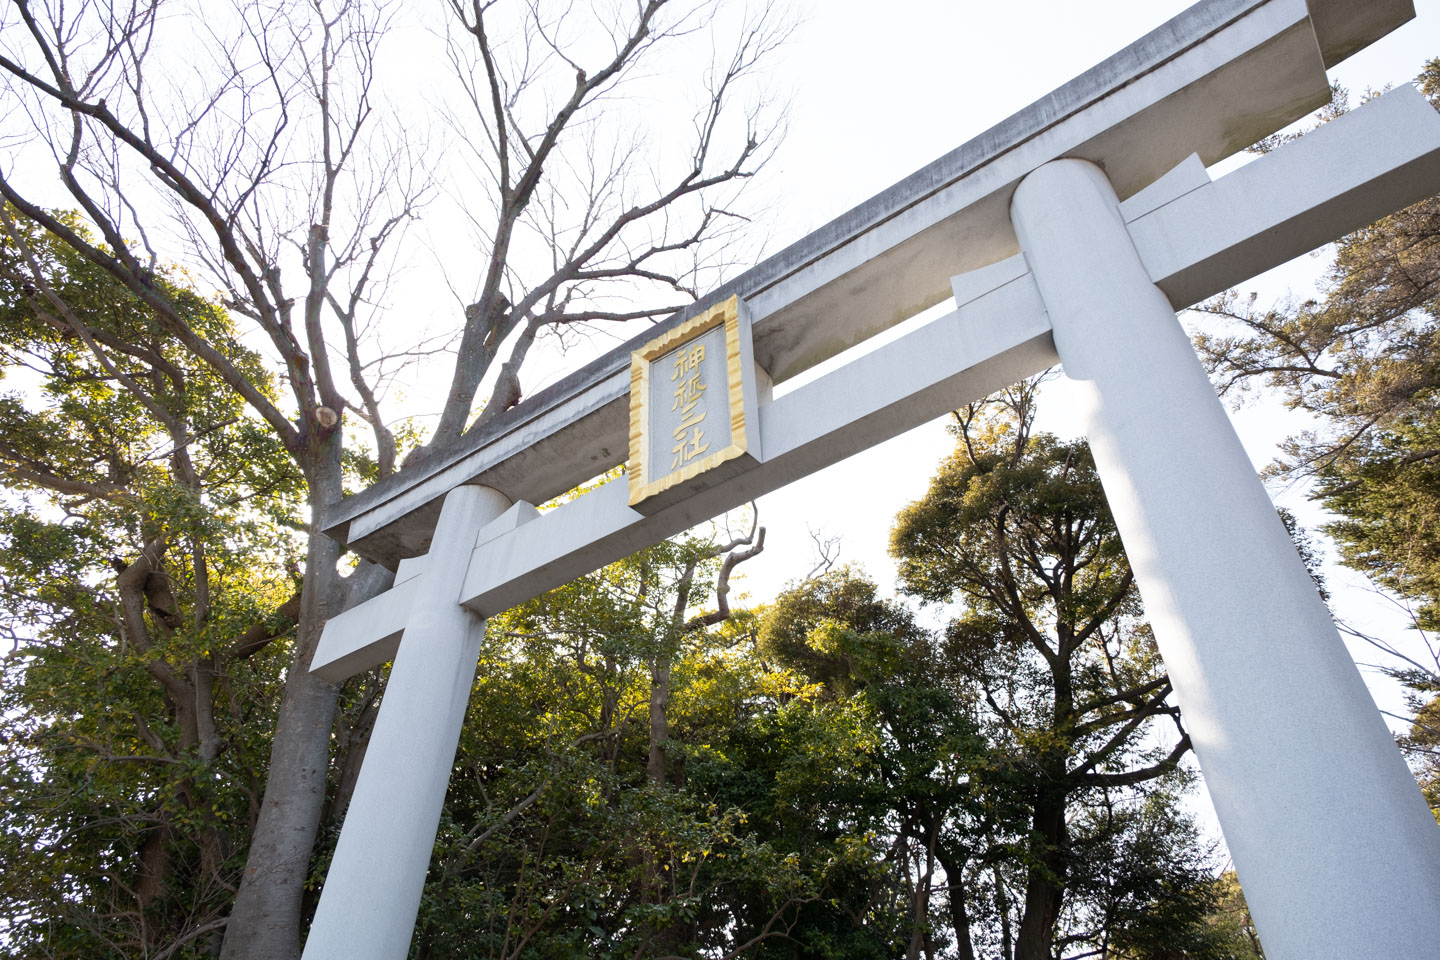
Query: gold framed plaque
692, 404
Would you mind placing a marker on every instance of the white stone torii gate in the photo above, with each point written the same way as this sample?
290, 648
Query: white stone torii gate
1333, 843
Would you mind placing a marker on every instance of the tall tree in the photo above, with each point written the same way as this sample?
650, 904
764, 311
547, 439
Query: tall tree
265, 159
895, 780
573, 826
1048, 643
149, 579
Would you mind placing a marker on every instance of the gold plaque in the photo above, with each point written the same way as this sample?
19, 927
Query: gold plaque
692, 404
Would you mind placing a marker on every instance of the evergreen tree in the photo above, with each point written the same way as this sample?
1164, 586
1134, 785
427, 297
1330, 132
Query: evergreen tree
1047, 644
263, 146
149, 583
580, 820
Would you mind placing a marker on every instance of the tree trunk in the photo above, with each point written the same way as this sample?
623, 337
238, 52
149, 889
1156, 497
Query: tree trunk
1002, 906
1044, 887
265, 922
154, 871
659, 721
669, 938
920, 938
959, 913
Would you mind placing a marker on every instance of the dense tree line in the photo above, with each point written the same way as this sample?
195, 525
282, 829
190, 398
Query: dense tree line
828, 776
646, 770
824, 776
141, 689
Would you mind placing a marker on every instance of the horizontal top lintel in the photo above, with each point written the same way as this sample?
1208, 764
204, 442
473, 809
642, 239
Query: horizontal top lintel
1211, 81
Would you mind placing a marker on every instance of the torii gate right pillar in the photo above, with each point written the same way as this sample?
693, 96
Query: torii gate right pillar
1333, 843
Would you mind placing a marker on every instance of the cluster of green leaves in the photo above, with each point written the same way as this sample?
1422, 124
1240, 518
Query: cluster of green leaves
822, 777
560, 838
134, 731
1079, 841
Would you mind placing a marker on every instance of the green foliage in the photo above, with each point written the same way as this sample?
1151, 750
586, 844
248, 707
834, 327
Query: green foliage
1075, 836
834, 780
1147, 883
880, 758
560, 838
144, 532
835, 631
645, 771
1422, 743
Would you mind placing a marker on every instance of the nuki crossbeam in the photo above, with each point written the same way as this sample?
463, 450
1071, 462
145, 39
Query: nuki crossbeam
1196, 237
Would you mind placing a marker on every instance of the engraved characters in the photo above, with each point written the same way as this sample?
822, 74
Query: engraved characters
690, 441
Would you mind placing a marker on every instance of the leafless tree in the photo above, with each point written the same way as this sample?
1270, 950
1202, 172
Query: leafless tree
570, 217
250, 143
